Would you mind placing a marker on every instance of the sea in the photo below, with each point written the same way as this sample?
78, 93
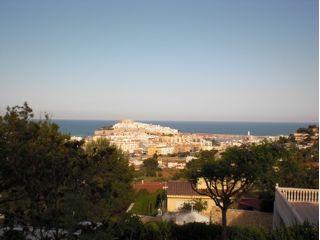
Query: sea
87, 127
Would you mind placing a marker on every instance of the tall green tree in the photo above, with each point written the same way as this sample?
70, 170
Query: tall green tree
50, 181
38, 166
290, 166
228, 177
108, 180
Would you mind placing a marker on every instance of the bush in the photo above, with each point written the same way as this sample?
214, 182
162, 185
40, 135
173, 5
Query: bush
12, 235
247, 233
197, 204
196, 231
147, 203
267, 200
130, 227
298, 232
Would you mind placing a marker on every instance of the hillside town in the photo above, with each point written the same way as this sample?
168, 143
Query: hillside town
142, 140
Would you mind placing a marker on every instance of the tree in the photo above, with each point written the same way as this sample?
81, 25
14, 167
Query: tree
151, 166
38, 167
51, 182
108, 180
228, 177
290, 166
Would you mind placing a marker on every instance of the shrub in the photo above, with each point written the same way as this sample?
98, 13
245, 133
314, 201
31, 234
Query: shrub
130, 227
297, 232
198, 205
147, 203
247, 233
12, 235
196, 231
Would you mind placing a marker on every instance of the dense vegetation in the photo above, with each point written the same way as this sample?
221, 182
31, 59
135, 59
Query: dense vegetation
251, 167
53, 183
132, 228
49, 181
230, 175
146, 203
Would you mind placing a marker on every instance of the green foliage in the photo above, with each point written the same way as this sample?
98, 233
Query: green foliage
230, 175
49, 181
151, 166
180, 174
207, 155
38, 166
147, 203
311, 129
196, 231
197, 205
247, 233
290, 167
130, 227
298, 232
108, 180
12, 235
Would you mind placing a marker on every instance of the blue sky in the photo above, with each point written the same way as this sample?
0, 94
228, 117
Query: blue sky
161, 60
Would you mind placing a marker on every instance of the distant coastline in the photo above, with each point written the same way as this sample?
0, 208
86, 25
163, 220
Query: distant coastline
87, 127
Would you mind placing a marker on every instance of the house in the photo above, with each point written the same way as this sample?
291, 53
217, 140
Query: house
160, 150
295, 206
180, 192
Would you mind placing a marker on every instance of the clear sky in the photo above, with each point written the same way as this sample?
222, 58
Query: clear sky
251, 60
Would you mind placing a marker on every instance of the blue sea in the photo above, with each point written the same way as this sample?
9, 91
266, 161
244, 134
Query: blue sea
87, 127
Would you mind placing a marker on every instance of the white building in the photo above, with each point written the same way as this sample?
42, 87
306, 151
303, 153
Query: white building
165, 150
295, 206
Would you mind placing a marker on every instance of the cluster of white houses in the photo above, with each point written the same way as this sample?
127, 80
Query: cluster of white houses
147, 139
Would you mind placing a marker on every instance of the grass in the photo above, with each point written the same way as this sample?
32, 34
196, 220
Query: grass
147, 203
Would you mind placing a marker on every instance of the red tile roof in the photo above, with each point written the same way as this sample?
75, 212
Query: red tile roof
182, 188
149, 186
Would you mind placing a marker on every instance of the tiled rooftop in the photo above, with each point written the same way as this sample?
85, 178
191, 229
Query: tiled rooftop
180, 188
149, 186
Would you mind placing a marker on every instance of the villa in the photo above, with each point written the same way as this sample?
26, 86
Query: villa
180, 192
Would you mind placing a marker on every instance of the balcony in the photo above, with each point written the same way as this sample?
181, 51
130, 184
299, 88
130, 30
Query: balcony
295, 206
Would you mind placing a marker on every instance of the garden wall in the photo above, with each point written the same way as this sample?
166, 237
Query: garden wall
236, 217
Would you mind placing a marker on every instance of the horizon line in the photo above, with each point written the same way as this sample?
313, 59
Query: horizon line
153, 120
